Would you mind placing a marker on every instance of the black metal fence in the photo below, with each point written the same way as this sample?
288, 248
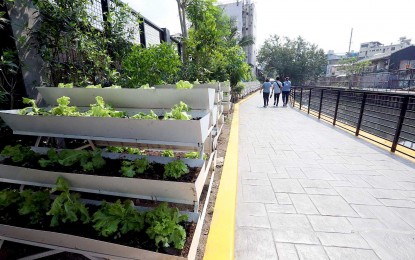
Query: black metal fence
385, 118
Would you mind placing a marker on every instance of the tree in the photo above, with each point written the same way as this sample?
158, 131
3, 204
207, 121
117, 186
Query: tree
354, 66
298, 59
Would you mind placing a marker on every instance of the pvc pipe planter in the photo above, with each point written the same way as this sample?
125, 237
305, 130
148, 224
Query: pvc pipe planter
96, 248
226, 107
215, 86
159, 190
174, 132
202, 99
227, 98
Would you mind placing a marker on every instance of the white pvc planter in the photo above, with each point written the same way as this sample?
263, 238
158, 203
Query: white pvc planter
227, 98
226, 107
159, 190
215, 86
174, 132
133, 98
221, 119
225, 86
214, 115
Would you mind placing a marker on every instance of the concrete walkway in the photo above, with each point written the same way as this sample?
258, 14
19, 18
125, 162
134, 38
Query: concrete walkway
308, 190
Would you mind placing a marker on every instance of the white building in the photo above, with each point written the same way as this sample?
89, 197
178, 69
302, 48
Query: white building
244, 13
370, 49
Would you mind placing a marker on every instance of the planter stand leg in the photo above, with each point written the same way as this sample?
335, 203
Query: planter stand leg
90, 144
38, 141
1, 243
41, 255
196, 207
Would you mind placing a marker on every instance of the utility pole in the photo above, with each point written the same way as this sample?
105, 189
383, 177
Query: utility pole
350, 42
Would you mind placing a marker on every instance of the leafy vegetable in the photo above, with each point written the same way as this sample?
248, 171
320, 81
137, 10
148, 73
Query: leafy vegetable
94, 86
18, 153
194, 155
178, 112
146, 86
100, 109
132, 168
8, 197
175, 169
66, 207
63, 108
164, 226
119, 149
89, 161
184, 85
35, 110
63, 85
151, 116
35, 204
167, 153
117, 219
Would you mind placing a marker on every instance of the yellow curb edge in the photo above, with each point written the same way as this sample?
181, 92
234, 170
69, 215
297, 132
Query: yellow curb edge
221, 239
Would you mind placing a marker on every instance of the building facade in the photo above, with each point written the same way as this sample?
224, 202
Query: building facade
370, 49
244, 13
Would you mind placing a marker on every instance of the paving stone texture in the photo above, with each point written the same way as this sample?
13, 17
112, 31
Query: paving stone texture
308, 190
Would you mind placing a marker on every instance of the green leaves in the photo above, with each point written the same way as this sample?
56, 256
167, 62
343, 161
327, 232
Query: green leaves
66, 207
18, 153
8, 197
100, 109
35, 110
63, 85
175, 169
34, 204
153, 65
63, 108
178, 112
89, 161
164, 226
167, 153
117, 219
184, 85
151, 116
132, 168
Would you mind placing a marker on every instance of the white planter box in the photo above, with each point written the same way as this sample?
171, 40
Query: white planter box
225, 86
215, 86
221, 119
227, 98
214, 115
159, 190
111, 129
132, 98
226, 107
217, 97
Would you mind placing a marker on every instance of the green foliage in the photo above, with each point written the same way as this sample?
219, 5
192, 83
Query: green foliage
18, 153
164, 226
238, 88
63, 108
67, 207
153, 65
194, 155
119, 149
8, 197
34, 110
184, 85
8, 74
175, 169
151, 116
89, 161
167, 153
178, 112
101, 109
35, 204
296, 58
94, 86
132, 168
354, 66
63, 85
117, 219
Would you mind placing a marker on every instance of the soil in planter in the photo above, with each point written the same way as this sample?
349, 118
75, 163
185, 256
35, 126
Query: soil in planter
111, 169
137, 240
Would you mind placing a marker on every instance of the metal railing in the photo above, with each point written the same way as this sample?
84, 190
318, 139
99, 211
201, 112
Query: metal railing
385, 118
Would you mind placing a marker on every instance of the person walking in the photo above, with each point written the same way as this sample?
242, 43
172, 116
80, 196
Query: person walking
286, 88
276, 89
266, 88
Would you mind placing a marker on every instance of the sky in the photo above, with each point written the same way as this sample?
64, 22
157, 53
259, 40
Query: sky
326, 23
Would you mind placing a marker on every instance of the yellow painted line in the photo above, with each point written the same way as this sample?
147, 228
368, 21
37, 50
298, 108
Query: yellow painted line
221, 240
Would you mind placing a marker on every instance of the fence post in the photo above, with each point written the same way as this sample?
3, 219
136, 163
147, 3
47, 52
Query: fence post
362, 109
309, 102
142, 33
400, 123
321, 103
295, 90
301, 97
337, 107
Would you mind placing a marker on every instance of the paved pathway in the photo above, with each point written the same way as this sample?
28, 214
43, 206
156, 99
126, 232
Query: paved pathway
310, 191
